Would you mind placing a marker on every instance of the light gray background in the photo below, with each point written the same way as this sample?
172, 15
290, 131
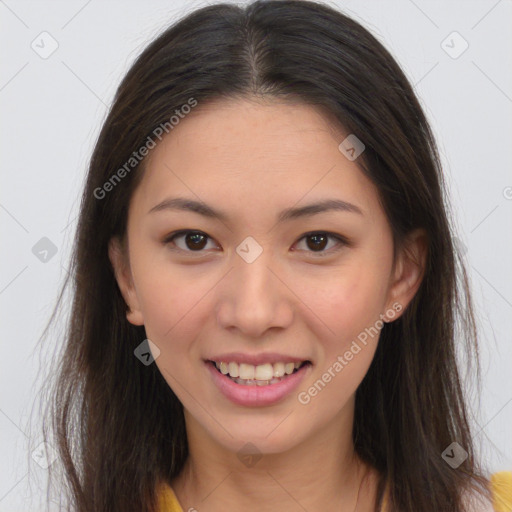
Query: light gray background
51, 112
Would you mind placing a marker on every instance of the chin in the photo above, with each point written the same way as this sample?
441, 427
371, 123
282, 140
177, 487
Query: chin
264, 438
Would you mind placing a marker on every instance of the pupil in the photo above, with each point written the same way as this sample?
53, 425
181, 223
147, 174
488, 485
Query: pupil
316, 237
198, 241
196, 238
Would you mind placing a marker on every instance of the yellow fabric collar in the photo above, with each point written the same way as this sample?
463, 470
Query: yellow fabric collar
501, 485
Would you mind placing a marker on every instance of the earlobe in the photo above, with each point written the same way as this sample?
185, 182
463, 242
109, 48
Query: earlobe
409, 272
120, 265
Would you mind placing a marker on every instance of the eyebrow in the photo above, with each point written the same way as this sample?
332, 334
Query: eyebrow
184, 204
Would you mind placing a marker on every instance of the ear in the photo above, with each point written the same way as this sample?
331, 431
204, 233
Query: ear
119, 260
408, 273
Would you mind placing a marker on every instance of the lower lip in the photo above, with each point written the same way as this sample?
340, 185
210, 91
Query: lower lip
257, 395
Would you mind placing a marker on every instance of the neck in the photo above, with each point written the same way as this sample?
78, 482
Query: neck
321, 473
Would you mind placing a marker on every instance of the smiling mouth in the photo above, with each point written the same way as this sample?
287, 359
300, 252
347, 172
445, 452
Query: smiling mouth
261, 375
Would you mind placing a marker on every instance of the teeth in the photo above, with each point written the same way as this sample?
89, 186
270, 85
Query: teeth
233, 370
262, 374
252, 382
246, 371
278, 369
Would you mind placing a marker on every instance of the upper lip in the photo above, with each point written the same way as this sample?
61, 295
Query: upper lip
256, 359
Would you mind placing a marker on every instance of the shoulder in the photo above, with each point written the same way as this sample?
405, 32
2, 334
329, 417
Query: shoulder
167, 500
501, 485
501, 490
501, 495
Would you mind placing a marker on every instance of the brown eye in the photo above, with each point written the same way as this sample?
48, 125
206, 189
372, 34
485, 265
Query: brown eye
192, 241
317, 242
195, 240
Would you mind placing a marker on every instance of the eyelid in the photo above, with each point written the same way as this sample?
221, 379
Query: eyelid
343, 241
170, 238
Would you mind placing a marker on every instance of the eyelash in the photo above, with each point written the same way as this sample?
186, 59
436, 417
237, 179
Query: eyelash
342, 240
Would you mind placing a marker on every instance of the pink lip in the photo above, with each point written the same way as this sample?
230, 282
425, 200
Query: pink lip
256, 359
256, 395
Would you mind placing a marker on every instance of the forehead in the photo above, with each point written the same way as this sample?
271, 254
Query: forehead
252, 155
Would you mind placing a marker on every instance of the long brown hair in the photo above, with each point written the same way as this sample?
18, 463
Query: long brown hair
118, 427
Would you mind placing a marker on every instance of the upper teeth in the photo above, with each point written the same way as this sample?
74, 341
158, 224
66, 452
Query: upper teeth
261, 372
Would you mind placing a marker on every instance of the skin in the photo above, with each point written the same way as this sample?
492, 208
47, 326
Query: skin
252, 159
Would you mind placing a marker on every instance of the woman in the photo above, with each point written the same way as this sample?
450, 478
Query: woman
266, 284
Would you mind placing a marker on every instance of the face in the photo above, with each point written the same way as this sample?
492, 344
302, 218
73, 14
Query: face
260, 286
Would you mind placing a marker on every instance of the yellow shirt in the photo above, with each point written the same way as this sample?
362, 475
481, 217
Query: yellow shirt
501, 485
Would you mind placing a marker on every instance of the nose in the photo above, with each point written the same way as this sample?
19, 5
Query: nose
254, 297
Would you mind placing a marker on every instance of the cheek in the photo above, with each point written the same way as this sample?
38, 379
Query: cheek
351, 309
350, 300
169, 296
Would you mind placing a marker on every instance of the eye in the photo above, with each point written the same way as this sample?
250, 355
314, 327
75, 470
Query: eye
196, 241
319, 240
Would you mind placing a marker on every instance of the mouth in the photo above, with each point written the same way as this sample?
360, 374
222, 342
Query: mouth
257, 386
267, 374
